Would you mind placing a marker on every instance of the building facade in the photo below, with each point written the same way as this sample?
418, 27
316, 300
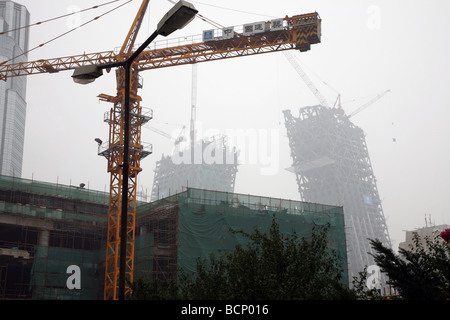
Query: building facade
13, 47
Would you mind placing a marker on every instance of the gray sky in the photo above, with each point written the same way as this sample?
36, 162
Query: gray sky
367, 47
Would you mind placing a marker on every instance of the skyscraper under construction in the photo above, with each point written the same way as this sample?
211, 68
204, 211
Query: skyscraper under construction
208, 164
332, 166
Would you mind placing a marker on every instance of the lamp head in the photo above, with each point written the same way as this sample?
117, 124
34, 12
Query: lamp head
86, 74
177, 18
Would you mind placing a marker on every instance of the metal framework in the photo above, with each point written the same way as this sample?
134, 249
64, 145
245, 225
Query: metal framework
172, 175
297, 32
116, 162
42, 227
332, 166
114, 154
158, 258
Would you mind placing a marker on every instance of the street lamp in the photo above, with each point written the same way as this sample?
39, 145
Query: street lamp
86, 74
176, 18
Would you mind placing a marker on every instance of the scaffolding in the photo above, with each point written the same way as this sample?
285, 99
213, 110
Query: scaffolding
45, 228
157, 239
332, 165
200, 223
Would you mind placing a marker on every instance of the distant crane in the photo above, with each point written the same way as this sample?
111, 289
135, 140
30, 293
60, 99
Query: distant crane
369, 103
337, 105
193, 105
291, 58
166, 135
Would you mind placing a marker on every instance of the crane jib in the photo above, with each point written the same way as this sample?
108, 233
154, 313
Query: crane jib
297, 32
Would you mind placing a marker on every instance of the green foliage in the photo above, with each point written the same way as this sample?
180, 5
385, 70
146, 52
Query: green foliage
272, 266
143, 289
361, 291
422, 272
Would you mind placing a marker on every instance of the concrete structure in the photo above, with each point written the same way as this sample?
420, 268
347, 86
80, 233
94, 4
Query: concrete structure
13, 48
332, 166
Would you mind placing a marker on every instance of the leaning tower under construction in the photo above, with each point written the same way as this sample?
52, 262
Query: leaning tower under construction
332, 166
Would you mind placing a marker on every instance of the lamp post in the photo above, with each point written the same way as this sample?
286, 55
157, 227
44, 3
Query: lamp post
176, 18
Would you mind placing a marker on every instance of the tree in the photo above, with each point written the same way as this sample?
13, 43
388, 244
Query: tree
144, 289
361, 291
272, 266
422, 272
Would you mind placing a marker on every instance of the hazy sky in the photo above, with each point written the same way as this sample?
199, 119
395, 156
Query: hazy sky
367, 47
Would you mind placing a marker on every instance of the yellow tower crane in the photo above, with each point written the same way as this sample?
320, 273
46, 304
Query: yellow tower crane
297, 32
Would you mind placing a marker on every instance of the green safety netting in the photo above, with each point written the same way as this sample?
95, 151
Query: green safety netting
54, 189
207, 217
143, 262
47, 213
49, 273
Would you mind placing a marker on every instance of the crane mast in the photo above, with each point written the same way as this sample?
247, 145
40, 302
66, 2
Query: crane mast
296, 32
193, 105
115, 156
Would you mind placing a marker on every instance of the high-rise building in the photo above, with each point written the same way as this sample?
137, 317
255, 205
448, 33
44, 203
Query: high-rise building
13, 48
332, 166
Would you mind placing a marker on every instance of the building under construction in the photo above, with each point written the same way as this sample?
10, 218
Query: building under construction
46, 228
208, 164
332, 165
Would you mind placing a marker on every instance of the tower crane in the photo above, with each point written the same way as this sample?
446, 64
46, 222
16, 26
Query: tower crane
367, 104
193, 105
291, 58
297, 32
337, 104
176, 140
